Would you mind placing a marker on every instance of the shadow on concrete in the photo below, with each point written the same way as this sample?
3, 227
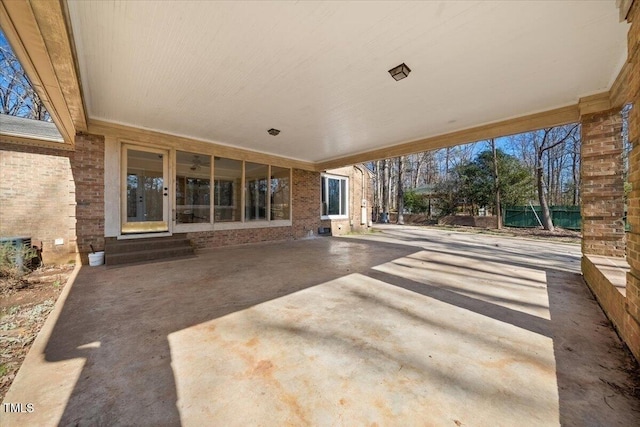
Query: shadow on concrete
497, 312
594, 371
118, 320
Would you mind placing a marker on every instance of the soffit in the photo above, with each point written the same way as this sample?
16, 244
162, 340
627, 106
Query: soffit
226, 72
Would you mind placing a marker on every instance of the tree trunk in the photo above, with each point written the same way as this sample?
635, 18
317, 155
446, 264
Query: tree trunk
576, 177
400, 219
546, 215
417, 167
376, 192
385, 192
446, 162
496, 181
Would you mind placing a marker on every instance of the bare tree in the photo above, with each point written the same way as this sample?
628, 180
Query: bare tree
385, 190
575, 171
551, 137
496, 183
17, 96
400, 195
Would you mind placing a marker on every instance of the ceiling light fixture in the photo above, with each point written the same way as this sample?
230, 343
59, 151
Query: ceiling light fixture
273, 132
400, 72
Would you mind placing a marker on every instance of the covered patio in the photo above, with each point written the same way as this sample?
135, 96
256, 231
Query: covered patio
399, 327
406, 326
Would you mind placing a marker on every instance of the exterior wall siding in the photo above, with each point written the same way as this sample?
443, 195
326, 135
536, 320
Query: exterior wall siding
49, 194
37, 198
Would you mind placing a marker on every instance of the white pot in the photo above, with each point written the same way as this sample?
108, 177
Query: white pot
96, 258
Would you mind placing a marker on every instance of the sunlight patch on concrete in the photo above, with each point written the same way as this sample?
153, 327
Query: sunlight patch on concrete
505, 284
357, 351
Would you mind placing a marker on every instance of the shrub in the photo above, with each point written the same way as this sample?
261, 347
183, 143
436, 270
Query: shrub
16, 260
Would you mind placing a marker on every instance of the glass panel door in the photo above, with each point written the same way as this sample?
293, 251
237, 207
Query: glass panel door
145, 201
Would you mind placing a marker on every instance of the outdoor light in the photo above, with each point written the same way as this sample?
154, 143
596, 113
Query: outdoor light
273, 132
400, 72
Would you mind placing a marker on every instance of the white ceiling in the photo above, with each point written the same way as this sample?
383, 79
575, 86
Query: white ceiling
226, 72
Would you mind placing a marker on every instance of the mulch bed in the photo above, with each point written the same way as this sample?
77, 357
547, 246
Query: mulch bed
25, 304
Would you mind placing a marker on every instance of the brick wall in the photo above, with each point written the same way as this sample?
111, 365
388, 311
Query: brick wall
87, 166
602, 188
64, 188
601, 206
213, 239
609, 297
37, 198
632, 326
306, 203
357, 176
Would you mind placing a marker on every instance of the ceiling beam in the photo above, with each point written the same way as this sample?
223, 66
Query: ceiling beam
38, 34
595, 103
132, 134
556, 117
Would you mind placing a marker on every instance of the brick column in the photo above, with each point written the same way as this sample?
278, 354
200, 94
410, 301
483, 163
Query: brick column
632, 327
305, 203
602, 188
87, 166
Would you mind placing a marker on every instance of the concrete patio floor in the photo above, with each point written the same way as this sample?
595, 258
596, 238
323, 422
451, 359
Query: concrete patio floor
407, 326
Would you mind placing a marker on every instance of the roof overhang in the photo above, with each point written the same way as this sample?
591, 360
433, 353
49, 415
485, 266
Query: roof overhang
38, 35
225, 72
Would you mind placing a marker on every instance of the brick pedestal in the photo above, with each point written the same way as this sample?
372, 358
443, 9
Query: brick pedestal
632, 327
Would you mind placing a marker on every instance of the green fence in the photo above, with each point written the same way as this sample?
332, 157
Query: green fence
561, 216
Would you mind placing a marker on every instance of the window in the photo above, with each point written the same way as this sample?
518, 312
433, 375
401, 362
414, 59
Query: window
334, 196
193, 188
280, 193
226, 189
220, 190
256, 191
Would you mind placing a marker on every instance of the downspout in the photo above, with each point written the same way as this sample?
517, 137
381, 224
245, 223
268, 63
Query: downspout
363, 201
352, 207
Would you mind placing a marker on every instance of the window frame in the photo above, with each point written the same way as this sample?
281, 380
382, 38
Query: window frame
238, 197
289, 195
176, 176
324, 189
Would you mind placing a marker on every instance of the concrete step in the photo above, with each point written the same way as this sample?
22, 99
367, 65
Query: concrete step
136, 245
139, 250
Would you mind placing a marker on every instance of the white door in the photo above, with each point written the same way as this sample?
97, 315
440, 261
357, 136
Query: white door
145, 190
